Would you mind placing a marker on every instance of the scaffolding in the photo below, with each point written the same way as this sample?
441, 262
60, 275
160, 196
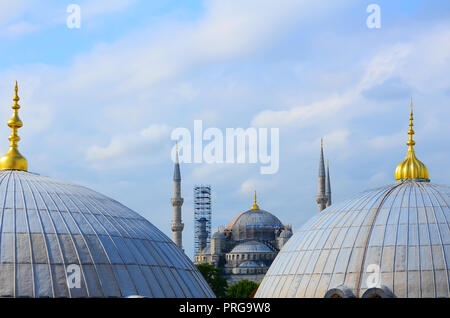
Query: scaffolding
202, 217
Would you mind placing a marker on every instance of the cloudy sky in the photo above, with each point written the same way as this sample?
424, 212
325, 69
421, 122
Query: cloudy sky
99, 103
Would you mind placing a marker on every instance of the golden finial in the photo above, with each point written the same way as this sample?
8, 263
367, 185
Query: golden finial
200, 255
411, 167
13, 160
255, 206
321, 142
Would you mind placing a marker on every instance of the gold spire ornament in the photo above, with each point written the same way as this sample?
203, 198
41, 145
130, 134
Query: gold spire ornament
255, 206
13, 160
411, 167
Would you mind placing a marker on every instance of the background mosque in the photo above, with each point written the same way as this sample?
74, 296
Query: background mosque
393, 241
247, 246
59, 239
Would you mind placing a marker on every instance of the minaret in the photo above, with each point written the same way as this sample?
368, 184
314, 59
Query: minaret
177, 202
328, 185
321, 197
13, 160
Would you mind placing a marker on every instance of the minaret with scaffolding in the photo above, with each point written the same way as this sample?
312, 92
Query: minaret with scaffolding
202, 217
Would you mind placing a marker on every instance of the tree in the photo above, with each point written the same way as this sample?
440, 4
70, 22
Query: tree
212, 276
243, 289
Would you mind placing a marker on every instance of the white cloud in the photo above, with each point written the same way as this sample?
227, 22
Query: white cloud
123, 147
388, 142
301, 115
94, 8
337, 140
417, 63
21, 17
10, 10
249, 186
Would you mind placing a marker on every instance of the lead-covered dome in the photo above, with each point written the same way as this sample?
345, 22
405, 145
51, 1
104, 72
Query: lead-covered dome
251, 247
401, 229
51, 230
255, 218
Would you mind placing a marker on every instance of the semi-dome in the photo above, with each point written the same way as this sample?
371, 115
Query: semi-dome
63, 240
249, 264
251, 247
393, 241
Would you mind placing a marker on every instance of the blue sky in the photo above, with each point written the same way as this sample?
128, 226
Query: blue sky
99, 102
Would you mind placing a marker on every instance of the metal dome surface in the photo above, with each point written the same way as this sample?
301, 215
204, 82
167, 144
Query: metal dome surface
401, 229
50, 228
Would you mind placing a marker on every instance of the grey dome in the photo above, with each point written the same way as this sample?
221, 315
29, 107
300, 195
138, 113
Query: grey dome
402, 228
251, 247
219, 235
255, 218
286, 234
249, 264
46, 226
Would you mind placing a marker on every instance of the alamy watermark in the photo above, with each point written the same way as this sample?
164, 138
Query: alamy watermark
373, 280
73, 276
374, 19
73, 21
236, 145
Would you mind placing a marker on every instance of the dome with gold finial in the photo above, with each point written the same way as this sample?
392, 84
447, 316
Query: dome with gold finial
255, 218
411, 167
60, 240
392, 241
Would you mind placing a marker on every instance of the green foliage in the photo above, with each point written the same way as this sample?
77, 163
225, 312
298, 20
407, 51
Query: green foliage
243, 289
212, 276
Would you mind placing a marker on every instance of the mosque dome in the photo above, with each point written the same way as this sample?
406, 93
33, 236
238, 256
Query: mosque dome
64, 240
251, 247
392, 241
255, 217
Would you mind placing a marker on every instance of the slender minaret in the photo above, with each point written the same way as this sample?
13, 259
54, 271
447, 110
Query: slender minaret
321, 197
177, 202
328, 185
